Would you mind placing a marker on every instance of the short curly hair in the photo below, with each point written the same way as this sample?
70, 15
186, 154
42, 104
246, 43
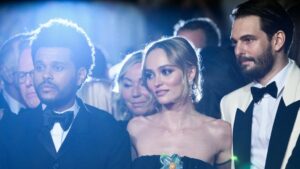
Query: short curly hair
65, 33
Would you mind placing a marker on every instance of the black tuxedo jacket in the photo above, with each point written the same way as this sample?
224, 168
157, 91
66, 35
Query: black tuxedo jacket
95, 141
8, 126
8, 117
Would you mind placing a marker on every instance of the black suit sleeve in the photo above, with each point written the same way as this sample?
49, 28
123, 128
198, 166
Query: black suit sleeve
120, 156
3, 156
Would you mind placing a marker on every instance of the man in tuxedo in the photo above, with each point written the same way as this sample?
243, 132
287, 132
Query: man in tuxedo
63, 132
264, 114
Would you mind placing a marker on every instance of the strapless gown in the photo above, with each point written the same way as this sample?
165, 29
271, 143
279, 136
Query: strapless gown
153, 162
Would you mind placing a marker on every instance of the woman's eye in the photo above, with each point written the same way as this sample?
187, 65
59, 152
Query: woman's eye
148, 75
166, 71
127, 85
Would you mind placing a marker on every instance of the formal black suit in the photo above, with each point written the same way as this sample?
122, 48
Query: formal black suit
8, 116
8, 126
95, 141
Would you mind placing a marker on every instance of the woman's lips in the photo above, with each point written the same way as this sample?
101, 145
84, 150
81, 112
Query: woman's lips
160, 93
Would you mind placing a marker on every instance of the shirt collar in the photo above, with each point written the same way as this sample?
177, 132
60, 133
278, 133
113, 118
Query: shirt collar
279, 78
74, 108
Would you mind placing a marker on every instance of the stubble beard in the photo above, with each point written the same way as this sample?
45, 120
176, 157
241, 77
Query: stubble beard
60, 98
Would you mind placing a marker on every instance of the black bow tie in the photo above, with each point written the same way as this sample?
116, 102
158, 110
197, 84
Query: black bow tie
65, 119
258, 93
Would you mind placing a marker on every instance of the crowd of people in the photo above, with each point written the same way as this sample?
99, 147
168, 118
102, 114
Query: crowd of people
181, 102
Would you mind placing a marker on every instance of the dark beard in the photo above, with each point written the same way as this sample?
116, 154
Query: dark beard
59, 100
263, 65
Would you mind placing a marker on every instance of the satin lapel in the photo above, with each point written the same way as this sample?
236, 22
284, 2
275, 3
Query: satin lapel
291, 94
281, 132
45, 139
291, 91
242, 137
43, 133
77, 131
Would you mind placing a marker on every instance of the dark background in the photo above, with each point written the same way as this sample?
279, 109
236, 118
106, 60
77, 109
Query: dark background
119, 27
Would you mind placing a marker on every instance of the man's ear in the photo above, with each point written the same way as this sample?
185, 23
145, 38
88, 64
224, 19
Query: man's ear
81, 76
278, 40
6, 74
191, 73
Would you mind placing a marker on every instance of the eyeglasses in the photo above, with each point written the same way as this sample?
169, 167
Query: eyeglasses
21, 76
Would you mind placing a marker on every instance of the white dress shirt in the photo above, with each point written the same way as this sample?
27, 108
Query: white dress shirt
264, 113
57, 133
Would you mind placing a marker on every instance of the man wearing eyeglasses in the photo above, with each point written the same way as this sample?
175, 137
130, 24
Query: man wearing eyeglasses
14, 64
16, 73
24, 77
10, 97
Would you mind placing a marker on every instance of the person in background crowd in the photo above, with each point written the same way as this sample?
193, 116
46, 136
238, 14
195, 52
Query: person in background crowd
10, 98
177, 136
98, 82
100, 70
131, 96
18, 91
64, 132
24, 75
294, 52
202, 32
265, 113
220, 76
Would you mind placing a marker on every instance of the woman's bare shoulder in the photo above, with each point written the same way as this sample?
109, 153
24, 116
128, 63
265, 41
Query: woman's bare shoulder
139, 123
218, 127
221, 124
135, 122
221, 130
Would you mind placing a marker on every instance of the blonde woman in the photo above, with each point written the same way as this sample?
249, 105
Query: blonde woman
177, 136
131, 97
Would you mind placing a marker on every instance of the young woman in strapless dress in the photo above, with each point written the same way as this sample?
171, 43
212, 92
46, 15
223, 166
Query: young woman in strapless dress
177, 136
